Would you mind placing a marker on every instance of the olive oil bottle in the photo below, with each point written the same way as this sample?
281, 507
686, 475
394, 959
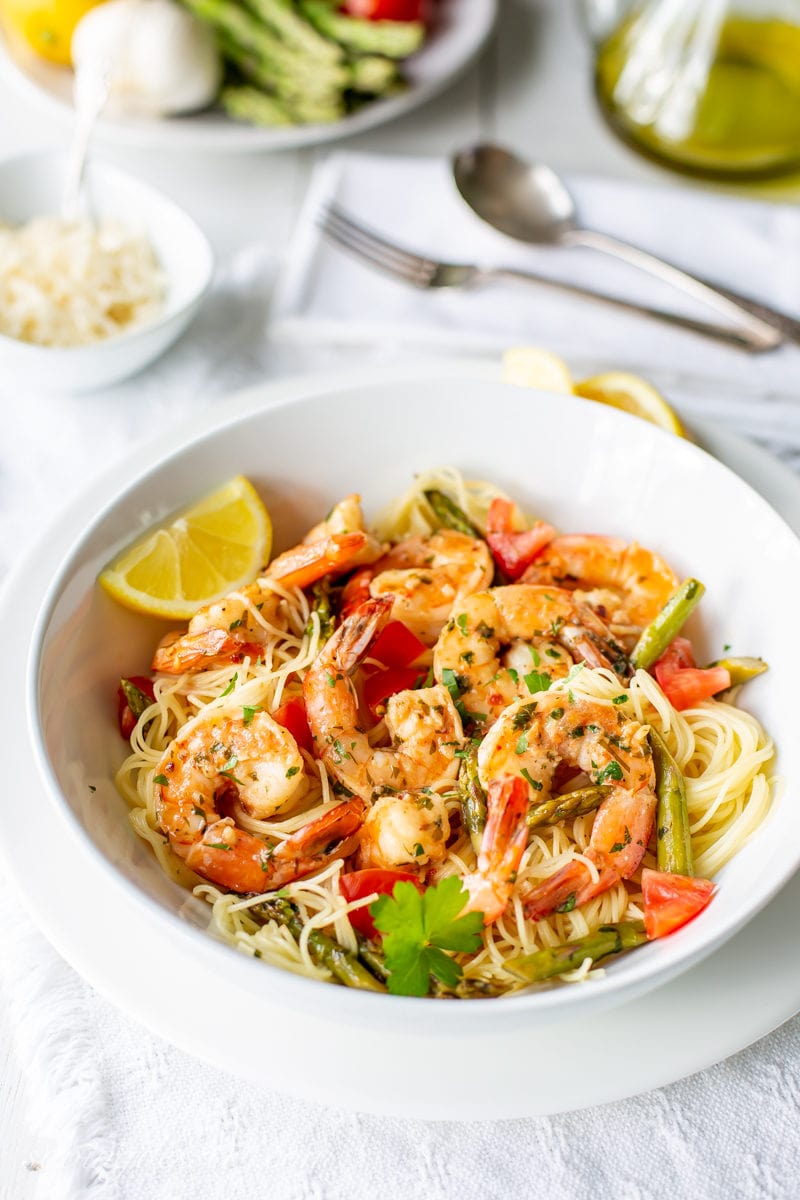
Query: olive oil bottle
707, 86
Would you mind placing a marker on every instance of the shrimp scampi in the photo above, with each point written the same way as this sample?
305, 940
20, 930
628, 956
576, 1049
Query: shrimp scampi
529, 742
222, 760
509, 642
624, 583
423, 725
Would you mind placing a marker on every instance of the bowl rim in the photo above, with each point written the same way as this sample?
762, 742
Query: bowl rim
129, 337
284, 986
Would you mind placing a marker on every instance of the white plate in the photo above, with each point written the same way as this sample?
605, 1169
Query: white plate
461, 32
68, 888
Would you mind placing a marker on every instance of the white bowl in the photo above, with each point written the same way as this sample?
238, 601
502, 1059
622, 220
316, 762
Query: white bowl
582, 465
31, 186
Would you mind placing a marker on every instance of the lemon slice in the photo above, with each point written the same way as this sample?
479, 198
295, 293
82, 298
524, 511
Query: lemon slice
212, 548
529, 366
632, 394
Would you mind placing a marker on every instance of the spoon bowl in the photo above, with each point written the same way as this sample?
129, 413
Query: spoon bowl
525, 200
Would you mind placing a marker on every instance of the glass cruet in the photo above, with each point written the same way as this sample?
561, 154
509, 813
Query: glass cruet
711, 87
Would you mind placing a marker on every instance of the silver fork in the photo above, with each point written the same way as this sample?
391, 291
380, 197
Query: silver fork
419, 271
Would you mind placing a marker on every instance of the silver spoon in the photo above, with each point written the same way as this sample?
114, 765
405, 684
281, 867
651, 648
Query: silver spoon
90, 95
529, 202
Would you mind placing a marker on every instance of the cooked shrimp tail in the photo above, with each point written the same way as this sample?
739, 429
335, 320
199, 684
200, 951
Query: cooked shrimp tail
333, 835
310, 561
503, 844
233, 858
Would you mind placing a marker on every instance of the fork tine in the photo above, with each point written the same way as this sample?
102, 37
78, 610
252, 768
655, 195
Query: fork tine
368, 237
375, 258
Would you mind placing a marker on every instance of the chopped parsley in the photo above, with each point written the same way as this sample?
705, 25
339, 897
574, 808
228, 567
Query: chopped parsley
556, 714
615, 849
249, 711
522, 744
535, 783
234, 625
537, 681
622, 699
422, 931
231, 685
161, 779
612, 771
568, 904
461, 622
450, 681
292, 771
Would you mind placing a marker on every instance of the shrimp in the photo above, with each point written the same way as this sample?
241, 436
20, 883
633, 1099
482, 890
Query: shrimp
503, 843
423, 726
529, 741
240, 624
220, 758
426, 577
626, 584
407, 830
507, 642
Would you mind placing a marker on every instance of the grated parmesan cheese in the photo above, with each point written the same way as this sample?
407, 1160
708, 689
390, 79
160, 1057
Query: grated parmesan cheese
72, 283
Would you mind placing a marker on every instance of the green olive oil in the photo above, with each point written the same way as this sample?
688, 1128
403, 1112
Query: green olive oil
746, 122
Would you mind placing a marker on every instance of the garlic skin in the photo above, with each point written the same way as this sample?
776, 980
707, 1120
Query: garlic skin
161, 59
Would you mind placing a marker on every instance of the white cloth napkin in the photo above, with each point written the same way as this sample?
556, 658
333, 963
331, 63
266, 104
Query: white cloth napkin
327, 293
123, 1116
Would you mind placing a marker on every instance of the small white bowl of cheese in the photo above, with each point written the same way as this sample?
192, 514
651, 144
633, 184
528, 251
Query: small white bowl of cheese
86, 304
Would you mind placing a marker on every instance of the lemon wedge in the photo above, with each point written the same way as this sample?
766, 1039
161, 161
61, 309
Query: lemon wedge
205, 551
632, 394
528, 366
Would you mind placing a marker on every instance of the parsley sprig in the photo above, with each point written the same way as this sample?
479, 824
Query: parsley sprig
419, 930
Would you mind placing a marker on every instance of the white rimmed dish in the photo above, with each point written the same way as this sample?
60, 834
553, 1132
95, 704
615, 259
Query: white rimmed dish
461, 31
31, 186
632, 480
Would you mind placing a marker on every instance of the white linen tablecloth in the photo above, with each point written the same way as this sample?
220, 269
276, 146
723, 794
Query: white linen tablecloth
132, 1118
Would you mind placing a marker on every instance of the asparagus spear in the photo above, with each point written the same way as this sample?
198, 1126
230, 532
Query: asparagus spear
473, 797
741, 670
137, 700
608, 939
674, 843
280, 68
322, 606
450, 515
372, 958
323, 949
570, 804
667, 625
374, 75
251, 104
295, 31
393, 39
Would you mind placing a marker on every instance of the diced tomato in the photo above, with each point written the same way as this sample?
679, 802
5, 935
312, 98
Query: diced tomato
671, 901
383, 684
514, 550
356, 884
292, 716
388, 10
356, 591
396, 646
125, 716
682, 682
